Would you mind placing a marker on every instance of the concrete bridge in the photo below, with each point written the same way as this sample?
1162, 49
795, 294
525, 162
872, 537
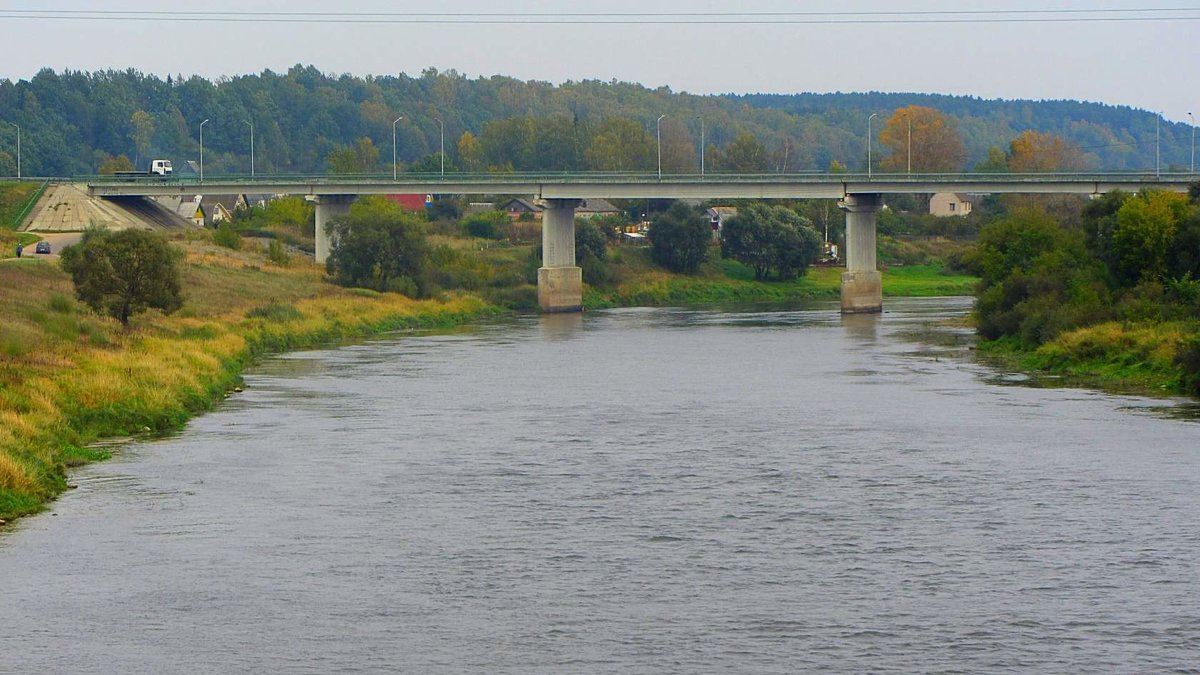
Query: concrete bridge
560, 281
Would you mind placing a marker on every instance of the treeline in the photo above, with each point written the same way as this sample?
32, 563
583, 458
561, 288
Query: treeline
73, 122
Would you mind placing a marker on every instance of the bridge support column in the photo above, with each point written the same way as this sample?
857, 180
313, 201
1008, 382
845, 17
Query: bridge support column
329, 207
862, 284
560, 280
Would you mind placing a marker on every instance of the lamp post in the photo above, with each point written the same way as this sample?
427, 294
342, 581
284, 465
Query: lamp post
701, 118
18, 126
658, 134
1193, 119
909, 116
394, 145
1157, 146
442, 145
869, 143
251, 147
202, 150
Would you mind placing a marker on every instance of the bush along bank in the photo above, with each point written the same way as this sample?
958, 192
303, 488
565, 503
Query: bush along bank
1111, 300
69, 377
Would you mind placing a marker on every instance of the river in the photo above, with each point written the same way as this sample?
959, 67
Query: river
640, 490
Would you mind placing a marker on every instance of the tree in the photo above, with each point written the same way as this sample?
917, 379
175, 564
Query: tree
996, 162
1037, 152
1144, 237
621, 145
470, 153
486, 224
936, 146
143, 132
743, 155
768, 237
112, 165
124, 273
362, 157
679, 238
379, 245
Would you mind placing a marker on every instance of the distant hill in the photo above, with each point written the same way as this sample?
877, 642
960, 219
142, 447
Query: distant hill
72, 121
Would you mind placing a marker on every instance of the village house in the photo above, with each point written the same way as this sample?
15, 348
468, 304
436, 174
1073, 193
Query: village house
950, 204
717, 216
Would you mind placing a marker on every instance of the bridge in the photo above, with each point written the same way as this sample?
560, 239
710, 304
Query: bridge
560, 281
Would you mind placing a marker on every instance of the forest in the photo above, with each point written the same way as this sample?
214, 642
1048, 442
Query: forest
306, 121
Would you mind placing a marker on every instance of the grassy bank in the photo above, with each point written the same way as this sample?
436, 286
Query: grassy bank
69, 377
1126, 358
729, 281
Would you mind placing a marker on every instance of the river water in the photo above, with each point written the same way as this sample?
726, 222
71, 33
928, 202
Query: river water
644, 490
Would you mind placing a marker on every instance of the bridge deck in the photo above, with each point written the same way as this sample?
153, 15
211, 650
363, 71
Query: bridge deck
592, 185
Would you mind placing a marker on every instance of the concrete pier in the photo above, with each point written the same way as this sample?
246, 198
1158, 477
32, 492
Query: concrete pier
560, 280
329, 207
862, 284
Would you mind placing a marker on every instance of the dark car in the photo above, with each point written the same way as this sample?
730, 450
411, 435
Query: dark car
42, 247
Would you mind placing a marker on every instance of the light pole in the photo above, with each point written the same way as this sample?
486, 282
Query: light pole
909, 116
869, 144
701, 118
394, 145
18, 126
202, 150
1157, 154
1193, 119
251, 148
442, 145
658, 133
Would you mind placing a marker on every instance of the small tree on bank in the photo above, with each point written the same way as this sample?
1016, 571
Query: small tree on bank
679, 238
124, 273
770, 238
380, 246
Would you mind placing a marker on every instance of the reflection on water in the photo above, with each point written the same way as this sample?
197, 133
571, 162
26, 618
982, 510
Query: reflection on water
766, 490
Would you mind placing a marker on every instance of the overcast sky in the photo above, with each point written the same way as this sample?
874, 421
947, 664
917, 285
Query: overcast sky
1146, 64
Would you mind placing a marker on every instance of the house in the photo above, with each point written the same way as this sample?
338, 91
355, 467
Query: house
192, 210
220, 208
593, 208
950, 204
517, 207
413, 203
717, 215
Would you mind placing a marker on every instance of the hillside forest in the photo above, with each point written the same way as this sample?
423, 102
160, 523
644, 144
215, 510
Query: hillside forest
305, 121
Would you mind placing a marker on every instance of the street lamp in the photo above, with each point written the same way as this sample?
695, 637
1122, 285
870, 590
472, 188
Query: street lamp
909, 116
869, 143
701, 118
1193, 119
251, 147
394, 145
202, 150
1157, 154
658, 133
442, 145
18, 126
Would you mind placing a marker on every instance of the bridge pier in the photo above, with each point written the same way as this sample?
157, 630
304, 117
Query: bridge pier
329, 207
560, 280
862, 284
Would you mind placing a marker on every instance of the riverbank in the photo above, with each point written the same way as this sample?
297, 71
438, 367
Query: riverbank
1146, 358
69, 377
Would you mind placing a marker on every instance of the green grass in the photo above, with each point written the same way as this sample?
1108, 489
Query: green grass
14, 198
1128, 358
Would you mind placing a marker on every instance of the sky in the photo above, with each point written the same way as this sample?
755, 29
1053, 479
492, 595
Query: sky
1055, 49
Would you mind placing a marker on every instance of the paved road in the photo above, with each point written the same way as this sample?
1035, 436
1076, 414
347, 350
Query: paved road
58, 241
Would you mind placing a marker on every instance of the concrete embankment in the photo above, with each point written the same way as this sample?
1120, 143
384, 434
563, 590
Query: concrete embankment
68, 207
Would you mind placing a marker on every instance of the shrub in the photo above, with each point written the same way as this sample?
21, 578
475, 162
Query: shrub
227, 236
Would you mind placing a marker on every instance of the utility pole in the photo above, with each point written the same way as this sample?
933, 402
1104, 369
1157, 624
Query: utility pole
909, 116
701, 118
1193, 119
442, 145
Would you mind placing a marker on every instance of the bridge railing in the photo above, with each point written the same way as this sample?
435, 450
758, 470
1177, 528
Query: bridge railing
644, 177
